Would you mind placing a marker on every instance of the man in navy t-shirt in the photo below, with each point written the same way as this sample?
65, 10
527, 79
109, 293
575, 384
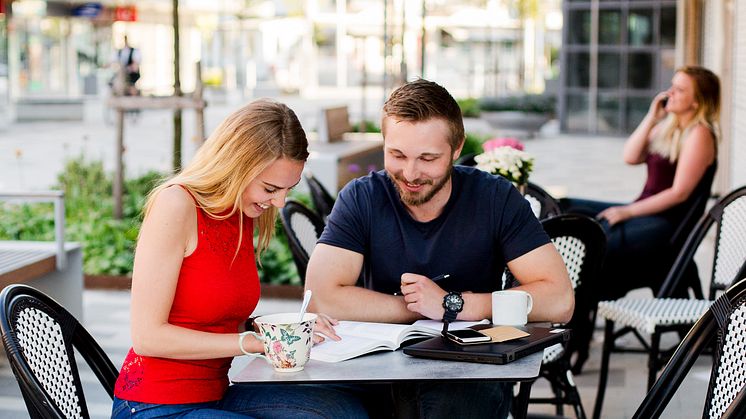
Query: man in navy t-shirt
420, 218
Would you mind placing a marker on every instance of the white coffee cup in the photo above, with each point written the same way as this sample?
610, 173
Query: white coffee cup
511, 307
287, 342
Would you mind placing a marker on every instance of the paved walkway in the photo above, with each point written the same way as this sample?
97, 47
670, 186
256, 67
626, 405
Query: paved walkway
31, 155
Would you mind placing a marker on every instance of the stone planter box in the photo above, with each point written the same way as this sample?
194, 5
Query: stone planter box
530, 122
112, 282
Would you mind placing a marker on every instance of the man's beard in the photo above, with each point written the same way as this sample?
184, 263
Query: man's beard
417, 199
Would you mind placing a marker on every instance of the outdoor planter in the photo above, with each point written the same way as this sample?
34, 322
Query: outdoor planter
516, 120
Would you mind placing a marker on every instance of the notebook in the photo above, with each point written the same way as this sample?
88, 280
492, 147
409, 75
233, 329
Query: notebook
490, 353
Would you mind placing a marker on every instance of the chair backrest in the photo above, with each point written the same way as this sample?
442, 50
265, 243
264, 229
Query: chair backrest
737, 409
581, 242
728, 216
542, 203
303, 228
40, 338
725, 321
466, 160
321, 198
693, 207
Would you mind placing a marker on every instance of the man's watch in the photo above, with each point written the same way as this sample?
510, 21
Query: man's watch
453, 303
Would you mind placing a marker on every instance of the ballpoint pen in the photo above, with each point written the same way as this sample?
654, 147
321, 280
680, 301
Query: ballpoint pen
435, 279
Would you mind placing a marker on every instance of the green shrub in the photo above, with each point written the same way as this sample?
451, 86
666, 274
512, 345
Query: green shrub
368, 126
473, 143
524, 103
469, 107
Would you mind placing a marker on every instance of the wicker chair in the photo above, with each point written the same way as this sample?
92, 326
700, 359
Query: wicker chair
41, 339
655, 316
321, 198
303, 228
581, 242
725, 323
542, 203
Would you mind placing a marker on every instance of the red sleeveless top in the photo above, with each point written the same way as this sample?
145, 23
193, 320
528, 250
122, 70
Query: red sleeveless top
215, 293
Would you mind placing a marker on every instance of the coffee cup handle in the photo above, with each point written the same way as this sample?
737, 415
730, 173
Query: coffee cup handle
251, 354
530, 303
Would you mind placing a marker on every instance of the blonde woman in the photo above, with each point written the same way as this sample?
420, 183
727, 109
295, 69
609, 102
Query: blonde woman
195, 279
677, 140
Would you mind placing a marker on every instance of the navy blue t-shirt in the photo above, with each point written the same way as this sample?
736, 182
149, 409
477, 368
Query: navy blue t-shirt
485, 223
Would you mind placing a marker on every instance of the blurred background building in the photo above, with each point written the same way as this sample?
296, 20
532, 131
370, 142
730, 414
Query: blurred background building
61, 49
602, 59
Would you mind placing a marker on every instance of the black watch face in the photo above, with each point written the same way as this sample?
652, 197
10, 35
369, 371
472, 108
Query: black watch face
454, 302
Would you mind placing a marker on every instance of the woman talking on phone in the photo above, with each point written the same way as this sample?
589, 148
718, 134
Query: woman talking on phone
677, 141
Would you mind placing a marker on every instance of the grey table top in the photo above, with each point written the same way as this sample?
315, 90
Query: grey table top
388, 366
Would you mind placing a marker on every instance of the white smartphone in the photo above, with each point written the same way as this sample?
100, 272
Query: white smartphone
467, 336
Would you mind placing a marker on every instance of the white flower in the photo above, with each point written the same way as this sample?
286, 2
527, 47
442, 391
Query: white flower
514, 165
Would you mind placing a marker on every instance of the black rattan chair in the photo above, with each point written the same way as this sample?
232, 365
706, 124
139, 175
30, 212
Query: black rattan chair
724, 322
655, 316
466, 160
321, 198
41, 339
302, 227
542, 203
581, 242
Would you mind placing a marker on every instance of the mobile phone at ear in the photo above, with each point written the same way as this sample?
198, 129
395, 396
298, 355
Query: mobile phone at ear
467, 336
664, 101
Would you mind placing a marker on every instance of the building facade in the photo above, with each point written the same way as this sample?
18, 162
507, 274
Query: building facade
616, 55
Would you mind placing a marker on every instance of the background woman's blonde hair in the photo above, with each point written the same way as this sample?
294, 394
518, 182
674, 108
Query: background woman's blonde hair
707, 97
244, 144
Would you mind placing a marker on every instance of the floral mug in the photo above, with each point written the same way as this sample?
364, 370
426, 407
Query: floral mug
287, 342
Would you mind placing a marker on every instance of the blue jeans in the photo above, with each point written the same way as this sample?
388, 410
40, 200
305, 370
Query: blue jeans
638, 250
488, 399
255, 401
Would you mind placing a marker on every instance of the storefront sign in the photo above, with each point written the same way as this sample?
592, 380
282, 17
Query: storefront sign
90, 10
125, 13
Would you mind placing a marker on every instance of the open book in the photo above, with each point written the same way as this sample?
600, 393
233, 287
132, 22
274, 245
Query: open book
360, 338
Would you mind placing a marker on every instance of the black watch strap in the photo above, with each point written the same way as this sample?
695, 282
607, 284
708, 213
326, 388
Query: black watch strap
449, 316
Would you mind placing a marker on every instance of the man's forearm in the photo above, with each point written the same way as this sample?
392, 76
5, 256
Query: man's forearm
349, 302
550, 304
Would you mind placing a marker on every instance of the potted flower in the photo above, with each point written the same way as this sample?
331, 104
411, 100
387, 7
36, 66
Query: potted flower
505, 157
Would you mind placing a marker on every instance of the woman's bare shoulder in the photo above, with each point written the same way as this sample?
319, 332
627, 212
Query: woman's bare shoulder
173, 201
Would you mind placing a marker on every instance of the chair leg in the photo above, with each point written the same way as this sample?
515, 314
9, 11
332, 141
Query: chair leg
655, 343
573, 396
558, 397
582, 353
604, 373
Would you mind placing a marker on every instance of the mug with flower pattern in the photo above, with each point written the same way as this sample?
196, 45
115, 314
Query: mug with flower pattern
287, 342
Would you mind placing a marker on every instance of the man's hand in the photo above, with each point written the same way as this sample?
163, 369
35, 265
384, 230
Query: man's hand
422, 296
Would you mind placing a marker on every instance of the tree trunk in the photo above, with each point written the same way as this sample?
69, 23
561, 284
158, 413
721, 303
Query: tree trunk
177, 90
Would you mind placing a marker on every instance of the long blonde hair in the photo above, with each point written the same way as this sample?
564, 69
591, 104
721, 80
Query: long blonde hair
707, 95
244, 144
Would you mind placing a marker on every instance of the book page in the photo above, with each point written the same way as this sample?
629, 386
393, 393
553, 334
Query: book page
379, 331
349, 347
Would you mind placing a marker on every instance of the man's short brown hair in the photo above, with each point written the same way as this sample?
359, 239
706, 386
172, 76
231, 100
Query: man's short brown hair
422, 100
